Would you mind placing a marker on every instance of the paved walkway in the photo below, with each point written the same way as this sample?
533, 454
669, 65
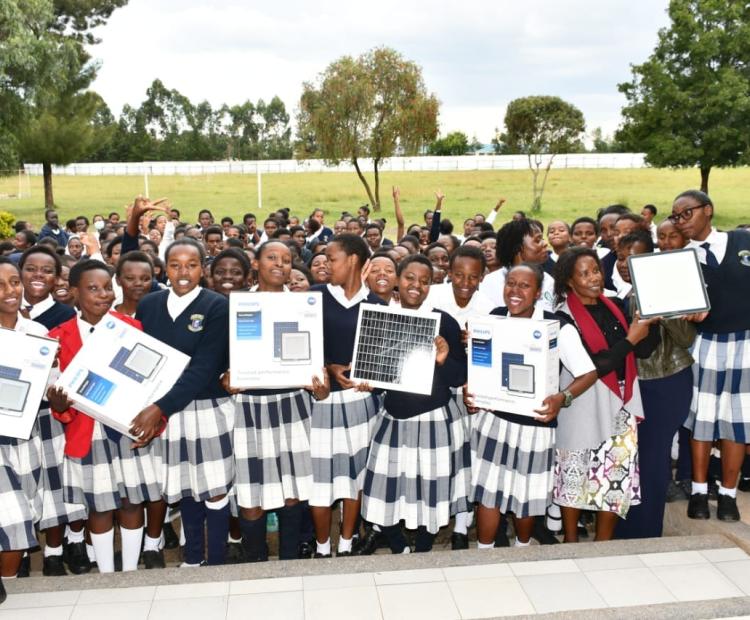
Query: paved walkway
706, 576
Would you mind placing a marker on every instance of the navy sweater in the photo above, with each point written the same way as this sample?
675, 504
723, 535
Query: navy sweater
339, 329
452, 373
56, 315
201, 332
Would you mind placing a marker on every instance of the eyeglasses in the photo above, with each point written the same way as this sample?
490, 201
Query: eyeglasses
686, 214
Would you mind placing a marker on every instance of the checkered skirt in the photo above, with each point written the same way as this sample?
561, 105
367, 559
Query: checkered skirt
198, 461
272, 449
461, 438
20, 499
340, 431
409, 473
55, 511
721, 387
513, 465
111, 472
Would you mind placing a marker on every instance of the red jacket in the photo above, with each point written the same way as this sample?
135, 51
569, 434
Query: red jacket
79, 428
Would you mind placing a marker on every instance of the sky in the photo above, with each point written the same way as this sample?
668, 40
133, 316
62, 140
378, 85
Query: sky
476, 55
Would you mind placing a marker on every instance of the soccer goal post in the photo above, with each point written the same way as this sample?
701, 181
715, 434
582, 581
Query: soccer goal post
14, 184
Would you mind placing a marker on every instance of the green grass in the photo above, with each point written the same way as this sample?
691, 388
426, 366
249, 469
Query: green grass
569, 194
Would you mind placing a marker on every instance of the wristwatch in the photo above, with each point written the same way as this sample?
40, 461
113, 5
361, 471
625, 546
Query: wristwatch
568, 398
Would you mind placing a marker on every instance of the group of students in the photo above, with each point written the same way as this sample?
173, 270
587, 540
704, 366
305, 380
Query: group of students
394, 460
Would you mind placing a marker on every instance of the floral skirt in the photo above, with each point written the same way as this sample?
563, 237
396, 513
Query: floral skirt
605, 478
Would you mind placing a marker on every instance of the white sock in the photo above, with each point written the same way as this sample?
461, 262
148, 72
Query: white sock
729, 492
104, 550
699, 487
234, 540
218, 504
186, 565
323, 548
73, 537
376, 527
554, 518
90, 552
151, 544
345, 544
131, 547
485, 546
518, 543
182, 534
9, 577
406, 550
462, 523
52, 551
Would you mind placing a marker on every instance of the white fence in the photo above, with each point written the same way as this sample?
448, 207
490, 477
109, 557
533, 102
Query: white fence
393, 164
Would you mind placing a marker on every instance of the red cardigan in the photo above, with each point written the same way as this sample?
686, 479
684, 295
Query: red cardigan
79, 428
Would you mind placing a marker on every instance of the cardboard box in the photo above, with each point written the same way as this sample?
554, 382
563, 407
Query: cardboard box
514, 364
25, 364
275, 339
119, 371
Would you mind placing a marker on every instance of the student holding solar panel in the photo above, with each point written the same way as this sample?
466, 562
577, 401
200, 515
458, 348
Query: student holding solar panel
20, 459
101, 468
272, 439
410, 464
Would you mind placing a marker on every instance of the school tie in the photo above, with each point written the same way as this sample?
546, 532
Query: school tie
28, 307
710, 256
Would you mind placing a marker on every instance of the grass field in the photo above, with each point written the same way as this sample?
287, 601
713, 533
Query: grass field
569, 194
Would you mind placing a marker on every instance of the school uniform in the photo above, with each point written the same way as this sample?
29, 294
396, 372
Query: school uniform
514, 455
198, 460
21, 478
100, 467
55, 510
410, 468
341, 424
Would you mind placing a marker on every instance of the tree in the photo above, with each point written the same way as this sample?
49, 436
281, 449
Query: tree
689, 103
370, 107
602, 143
455, 143
541, 126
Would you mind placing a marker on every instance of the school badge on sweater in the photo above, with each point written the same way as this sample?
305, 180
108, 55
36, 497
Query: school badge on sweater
196, 322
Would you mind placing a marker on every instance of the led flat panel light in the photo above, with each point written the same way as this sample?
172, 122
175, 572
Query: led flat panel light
668, 283
279, 329
143, 361
295, 347
521, 378
13, 393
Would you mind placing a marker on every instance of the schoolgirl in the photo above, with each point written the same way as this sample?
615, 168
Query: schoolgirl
514, 455
20, 459
410, 465
272, 439
101, 468
341, 423
40, 268
381, 277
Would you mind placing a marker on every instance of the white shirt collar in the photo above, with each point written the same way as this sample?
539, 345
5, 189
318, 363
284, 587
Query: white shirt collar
340, 296
176, 305
254, 288
717, 244
40, 307
84, 328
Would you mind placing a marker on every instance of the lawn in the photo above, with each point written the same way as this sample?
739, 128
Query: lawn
570, 193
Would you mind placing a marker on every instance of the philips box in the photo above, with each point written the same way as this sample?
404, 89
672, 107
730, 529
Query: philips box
119, 371
25, 364
514, 364
275, 339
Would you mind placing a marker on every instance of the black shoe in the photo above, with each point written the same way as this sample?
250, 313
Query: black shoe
153, 559
344, 554
698, 506
235, 554
53, 566
171, 540
676, 492
744, 485
305, 549
372, 541
321, 556
76, 558
24, 569
727, 510
501, 537
3, 594
542, 535
459, 541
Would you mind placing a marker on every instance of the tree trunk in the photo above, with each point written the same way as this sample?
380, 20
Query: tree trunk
362, 178
376, 204
704, 178
49, 201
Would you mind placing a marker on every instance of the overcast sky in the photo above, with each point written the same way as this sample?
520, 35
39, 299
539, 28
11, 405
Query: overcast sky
476, 55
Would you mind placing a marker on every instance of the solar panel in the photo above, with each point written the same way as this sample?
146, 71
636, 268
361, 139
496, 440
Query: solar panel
395, 348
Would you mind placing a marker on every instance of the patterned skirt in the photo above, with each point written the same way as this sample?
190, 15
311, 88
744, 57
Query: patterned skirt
604, 479
112, 472
55, 511
198, 461
341, 427
20, 498
410, 470
272, 449
461, 438
721, 387
513, 465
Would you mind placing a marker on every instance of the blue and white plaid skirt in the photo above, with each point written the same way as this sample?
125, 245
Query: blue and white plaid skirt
20, 497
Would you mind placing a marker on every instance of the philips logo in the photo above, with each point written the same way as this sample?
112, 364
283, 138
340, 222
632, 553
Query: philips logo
481, 333
537, 334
